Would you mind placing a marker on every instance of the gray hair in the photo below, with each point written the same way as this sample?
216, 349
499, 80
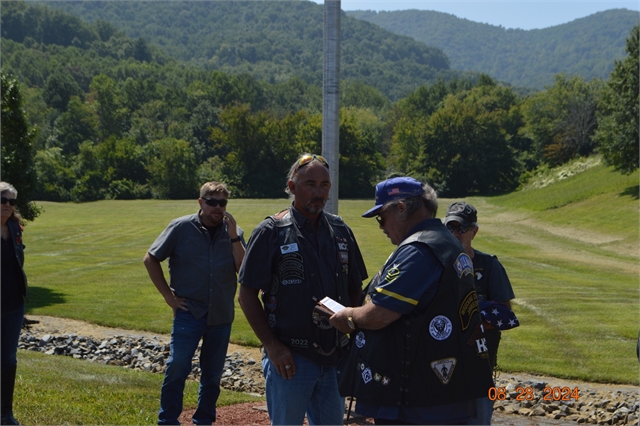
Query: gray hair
294, 169
429, 200
7, 187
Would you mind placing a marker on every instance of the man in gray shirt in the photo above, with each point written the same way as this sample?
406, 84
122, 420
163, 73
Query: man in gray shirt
205, 251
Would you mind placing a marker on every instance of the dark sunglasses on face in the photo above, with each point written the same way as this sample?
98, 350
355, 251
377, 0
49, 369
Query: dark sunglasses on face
213, 202
461, 229
11, 201
380, 221
309, 158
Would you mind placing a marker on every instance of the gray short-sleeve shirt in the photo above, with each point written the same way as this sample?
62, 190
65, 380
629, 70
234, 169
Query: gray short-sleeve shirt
201, 266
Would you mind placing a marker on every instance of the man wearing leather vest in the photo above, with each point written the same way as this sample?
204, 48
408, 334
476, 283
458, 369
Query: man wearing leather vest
294, 259
418, 354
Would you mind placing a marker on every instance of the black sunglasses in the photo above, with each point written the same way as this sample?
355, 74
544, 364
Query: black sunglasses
214, 202
461, 229
11, 201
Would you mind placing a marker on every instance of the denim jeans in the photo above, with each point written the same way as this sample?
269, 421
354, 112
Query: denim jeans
11, 326
484, 408
185, 336
313, 389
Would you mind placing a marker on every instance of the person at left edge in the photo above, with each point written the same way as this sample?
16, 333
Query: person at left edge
205, 251
294, 258
14, 293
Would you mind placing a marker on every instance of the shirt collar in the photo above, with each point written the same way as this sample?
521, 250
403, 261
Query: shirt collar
431, 221
302, 221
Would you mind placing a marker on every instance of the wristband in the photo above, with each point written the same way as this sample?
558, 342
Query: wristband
235, 240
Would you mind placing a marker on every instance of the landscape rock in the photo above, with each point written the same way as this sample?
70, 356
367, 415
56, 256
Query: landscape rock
242, 373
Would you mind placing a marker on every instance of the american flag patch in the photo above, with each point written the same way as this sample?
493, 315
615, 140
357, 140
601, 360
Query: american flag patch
393, 191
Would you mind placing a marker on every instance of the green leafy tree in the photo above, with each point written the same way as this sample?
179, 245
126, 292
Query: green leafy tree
172, 169
617, 134
55, 177
105, 97
361, 164
90, 181
561, 120
59, 89
257, 149
78, 124
465, 148
17, 147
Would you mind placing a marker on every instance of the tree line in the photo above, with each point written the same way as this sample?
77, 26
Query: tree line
96, 125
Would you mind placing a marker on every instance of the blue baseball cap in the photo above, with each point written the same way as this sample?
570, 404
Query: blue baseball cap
394, 189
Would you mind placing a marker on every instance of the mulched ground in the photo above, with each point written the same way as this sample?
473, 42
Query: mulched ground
250, 413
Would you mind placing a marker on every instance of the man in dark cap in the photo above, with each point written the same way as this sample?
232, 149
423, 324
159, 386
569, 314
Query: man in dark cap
492, 285
417, 355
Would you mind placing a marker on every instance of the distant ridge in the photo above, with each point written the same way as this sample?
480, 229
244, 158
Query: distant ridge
530, 58
271, 40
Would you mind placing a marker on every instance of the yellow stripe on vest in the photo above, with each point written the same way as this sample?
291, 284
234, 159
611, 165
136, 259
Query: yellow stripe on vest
396, 296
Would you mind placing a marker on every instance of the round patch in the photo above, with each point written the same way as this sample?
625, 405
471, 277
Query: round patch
360, 340
440, 327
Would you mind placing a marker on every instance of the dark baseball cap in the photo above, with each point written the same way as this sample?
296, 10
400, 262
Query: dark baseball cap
394, 189
461, 212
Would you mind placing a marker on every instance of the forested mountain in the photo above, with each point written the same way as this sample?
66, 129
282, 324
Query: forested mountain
586, 47
270, 40
100, 114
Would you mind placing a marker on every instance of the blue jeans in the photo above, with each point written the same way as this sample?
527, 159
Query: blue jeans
11, 326
484, 407
185, 336
313, 389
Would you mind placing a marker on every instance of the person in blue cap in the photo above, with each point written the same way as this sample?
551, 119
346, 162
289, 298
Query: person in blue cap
417, 354
493, 288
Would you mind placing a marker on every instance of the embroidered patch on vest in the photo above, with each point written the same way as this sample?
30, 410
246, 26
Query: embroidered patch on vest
440, 327
271, 319
367, 376
481, 346
289, 248
386, 381
444, 369
467, 308
291, 269
361, 340
463, 265
377, 377
272, 304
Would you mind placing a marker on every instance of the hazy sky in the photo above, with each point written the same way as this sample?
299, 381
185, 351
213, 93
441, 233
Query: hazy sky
508, 13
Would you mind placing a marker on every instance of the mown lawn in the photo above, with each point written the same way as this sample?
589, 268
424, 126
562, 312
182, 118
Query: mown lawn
570, 249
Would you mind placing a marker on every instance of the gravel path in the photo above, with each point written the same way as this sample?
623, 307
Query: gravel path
597, 403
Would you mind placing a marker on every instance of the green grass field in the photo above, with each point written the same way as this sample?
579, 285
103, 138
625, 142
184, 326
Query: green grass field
571, 250
66, 391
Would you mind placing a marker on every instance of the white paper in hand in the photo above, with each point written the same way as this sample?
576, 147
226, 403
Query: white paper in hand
331, 304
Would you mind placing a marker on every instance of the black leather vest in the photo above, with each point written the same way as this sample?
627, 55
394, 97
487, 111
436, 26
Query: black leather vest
429, 358
295, 290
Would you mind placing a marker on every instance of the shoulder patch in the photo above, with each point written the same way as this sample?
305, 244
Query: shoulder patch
463, 265
392, 273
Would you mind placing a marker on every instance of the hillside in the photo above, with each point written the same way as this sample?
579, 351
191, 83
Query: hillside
585, 47
273, 41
